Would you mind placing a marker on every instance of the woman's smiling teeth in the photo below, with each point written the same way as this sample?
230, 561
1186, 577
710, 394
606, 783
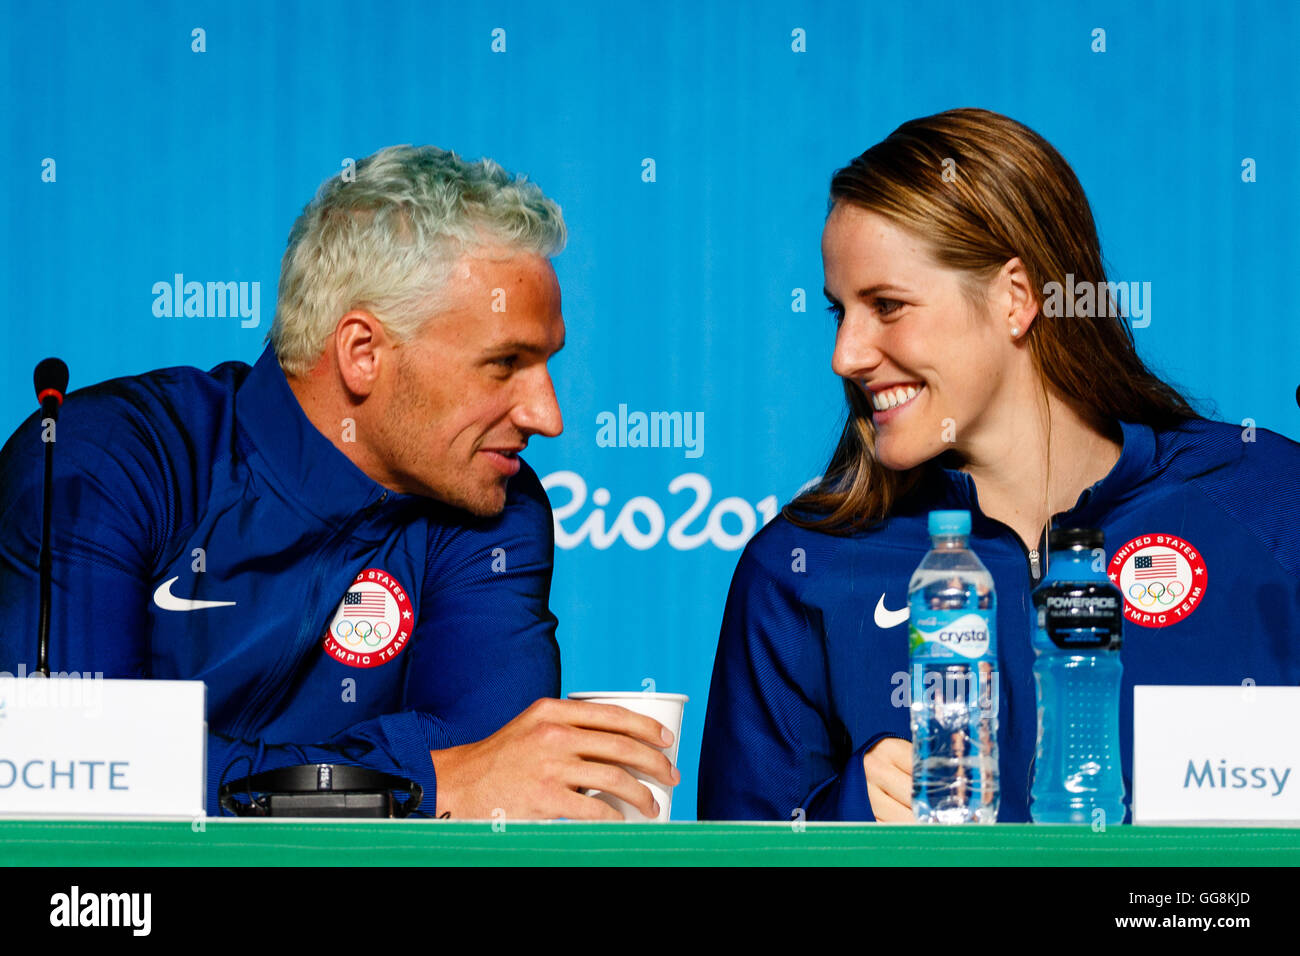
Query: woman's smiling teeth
893, 397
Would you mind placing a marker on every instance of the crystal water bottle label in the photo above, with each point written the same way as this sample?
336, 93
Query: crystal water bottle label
944, 646
941, 635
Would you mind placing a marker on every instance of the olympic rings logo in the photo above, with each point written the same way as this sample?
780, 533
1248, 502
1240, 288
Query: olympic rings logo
1157, 592
362, 632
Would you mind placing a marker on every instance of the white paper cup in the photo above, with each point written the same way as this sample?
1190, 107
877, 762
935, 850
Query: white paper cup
665, 708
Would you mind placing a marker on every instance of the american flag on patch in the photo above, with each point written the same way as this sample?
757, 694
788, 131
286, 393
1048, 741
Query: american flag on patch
1152, 566
363, 604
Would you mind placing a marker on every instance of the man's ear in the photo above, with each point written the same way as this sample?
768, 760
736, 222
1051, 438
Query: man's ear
361, 345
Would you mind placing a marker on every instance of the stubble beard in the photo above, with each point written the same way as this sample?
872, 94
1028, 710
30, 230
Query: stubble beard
456, 485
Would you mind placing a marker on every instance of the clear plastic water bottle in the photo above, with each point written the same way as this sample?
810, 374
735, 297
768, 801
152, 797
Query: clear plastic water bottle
954, 664
1077, 772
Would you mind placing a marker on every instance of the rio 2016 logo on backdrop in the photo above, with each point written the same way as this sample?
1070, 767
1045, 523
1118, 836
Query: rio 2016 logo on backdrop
641, 521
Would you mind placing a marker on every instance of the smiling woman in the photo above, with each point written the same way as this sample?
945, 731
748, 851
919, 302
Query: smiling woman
942, 246
967, 216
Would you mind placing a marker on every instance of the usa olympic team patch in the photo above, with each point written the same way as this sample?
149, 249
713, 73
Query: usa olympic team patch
372, 623
1162, 578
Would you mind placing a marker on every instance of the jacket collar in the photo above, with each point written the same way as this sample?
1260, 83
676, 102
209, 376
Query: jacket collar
302, 461
1121, 483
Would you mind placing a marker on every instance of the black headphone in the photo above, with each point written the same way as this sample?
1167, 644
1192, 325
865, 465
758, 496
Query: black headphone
320, 790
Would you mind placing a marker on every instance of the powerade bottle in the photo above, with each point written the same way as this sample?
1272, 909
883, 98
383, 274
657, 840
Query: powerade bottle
954, 664
1080, 629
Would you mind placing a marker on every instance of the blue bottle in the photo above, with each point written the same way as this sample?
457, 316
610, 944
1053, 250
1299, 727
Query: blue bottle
954, 662
1077, 771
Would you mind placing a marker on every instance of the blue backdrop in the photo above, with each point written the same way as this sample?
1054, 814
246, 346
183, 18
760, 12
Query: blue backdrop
690, 147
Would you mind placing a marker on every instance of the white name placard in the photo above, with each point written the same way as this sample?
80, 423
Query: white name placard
1216, 755
85, 745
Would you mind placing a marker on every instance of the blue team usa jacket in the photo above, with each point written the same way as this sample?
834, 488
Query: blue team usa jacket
205, 530
1202, 530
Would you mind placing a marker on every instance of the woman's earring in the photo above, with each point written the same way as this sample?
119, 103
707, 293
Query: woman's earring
1015, 331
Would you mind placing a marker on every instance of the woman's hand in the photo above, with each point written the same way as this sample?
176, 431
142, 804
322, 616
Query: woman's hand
888, 766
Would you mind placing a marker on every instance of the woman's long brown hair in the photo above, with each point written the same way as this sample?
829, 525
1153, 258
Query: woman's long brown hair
982, 189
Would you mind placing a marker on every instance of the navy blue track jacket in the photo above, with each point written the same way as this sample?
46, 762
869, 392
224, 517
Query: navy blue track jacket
813, 655
347, 623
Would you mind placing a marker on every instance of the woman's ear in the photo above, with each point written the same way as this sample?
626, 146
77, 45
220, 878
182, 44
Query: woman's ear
1016, 298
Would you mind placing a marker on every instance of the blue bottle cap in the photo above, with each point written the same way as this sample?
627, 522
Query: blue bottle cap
949, 522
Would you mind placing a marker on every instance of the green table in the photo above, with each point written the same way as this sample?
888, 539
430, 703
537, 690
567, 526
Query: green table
77, 843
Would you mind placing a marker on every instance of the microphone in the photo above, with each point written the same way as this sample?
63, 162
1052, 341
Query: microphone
51, 381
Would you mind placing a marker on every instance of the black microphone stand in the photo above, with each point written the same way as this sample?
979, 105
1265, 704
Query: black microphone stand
51, 381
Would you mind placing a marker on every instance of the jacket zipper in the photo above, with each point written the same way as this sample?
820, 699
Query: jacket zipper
1032, 557
253, 710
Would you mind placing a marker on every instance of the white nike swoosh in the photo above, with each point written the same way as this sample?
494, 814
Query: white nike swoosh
885, 618
164, 598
